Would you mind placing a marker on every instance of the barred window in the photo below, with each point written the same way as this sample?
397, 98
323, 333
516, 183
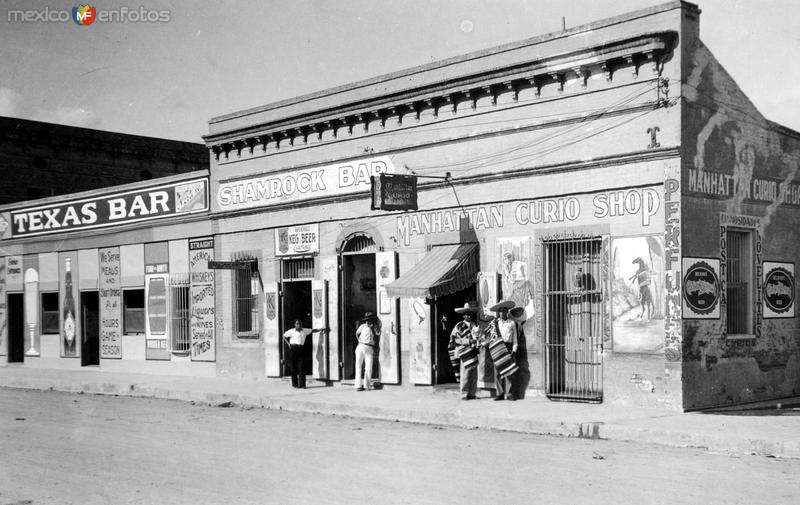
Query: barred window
246, 313
738, 288
179, 315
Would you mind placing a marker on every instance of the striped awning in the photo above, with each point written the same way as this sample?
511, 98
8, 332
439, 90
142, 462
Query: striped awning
444, 270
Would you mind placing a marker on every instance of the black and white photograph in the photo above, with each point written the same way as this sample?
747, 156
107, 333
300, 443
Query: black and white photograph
399, 252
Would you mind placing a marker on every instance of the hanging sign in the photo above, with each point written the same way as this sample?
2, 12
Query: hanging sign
779, 290
701, 291
394, 192
232, 265
295, 240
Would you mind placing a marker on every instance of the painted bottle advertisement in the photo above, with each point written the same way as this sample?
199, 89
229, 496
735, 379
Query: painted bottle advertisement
69, 311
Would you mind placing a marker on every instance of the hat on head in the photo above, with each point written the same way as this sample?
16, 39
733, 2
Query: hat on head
502, 304
368, 316
468, 307
518, 314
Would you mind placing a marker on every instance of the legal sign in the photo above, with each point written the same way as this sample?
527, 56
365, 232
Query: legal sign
394, 192
122, 207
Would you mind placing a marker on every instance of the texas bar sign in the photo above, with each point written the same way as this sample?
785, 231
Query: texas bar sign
185, 197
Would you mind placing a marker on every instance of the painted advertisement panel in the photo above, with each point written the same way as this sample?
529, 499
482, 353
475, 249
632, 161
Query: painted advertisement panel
780, 290
3, 317
419, 337
701, 288
637, 290
31, 303
388, 347
110, 303
201, 299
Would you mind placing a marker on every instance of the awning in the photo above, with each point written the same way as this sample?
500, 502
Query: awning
444, 270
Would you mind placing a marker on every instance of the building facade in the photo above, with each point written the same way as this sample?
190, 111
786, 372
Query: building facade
39, 160
610, 179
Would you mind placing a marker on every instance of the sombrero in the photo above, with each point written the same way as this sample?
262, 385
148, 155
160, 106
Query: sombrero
502, 304
468, 307
518, 314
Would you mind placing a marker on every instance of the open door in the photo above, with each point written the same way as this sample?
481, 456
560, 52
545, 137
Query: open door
388, 312
272, 331
90, 329
319, 319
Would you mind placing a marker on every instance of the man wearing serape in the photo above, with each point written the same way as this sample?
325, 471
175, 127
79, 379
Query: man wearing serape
464, 340
505, 366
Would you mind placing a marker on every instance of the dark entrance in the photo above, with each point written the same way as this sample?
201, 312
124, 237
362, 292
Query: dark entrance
444, 318
357, 297
574, 320
297, 305
16, 328
90, 328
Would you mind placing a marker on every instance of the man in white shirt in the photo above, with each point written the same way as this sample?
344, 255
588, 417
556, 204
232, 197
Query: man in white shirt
365, 351
296, 338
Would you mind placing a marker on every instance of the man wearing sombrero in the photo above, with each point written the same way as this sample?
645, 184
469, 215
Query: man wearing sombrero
464, 337
505, 329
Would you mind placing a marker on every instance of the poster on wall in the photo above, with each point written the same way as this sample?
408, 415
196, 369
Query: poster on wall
272, 331
110, 303
3, 320
330, 274
31, 305
420, 340
388, 348
70, 323
487, 296
637, 292
295, 240
156, 307
779, 290
201, 298
319, 319
514, 264
701, 288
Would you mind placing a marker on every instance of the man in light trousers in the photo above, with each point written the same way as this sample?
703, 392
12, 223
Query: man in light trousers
365, 351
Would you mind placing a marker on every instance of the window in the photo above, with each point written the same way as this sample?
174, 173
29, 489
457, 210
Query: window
50, 312
246, 311
133, 311
738, 287
179, 317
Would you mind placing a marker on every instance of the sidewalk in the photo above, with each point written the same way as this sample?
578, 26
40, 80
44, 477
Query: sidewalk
728, 432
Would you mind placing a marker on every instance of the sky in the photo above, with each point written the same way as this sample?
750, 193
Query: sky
168, 78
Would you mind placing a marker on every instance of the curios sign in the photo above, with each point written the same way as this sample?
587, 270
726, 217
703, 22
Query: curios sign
701, 288
297, 240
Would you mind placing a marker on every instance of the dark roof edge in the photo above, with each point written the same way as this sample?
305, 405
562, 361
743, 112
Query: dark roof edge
675, 4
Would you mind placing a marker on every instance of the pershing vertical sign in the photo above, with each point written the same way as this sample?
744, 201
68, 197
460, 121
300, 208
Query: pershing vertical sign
124, 207
304, 184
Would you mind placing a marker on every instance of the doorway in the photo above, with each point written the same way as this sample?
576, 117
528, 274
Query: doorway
357, 297
16, 328
445, 319
574, 320
90, 328
296, 304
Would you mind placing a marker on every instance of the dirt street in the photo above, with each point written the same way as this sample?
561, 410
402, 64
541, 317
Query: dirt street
85, 449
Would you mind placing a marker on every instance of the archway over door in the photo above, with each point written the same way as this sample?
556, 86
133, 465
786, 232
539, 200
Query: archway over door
357, 296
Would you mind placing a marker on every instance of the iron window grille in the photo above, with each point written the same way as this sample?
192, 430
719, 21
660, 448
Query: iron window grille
179, 315
738, 285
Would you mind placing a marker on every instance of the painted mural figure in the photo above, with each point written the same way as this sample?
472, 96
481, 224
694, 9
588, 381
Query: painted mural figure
643, 278
464, 342
366, 334
515, 280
